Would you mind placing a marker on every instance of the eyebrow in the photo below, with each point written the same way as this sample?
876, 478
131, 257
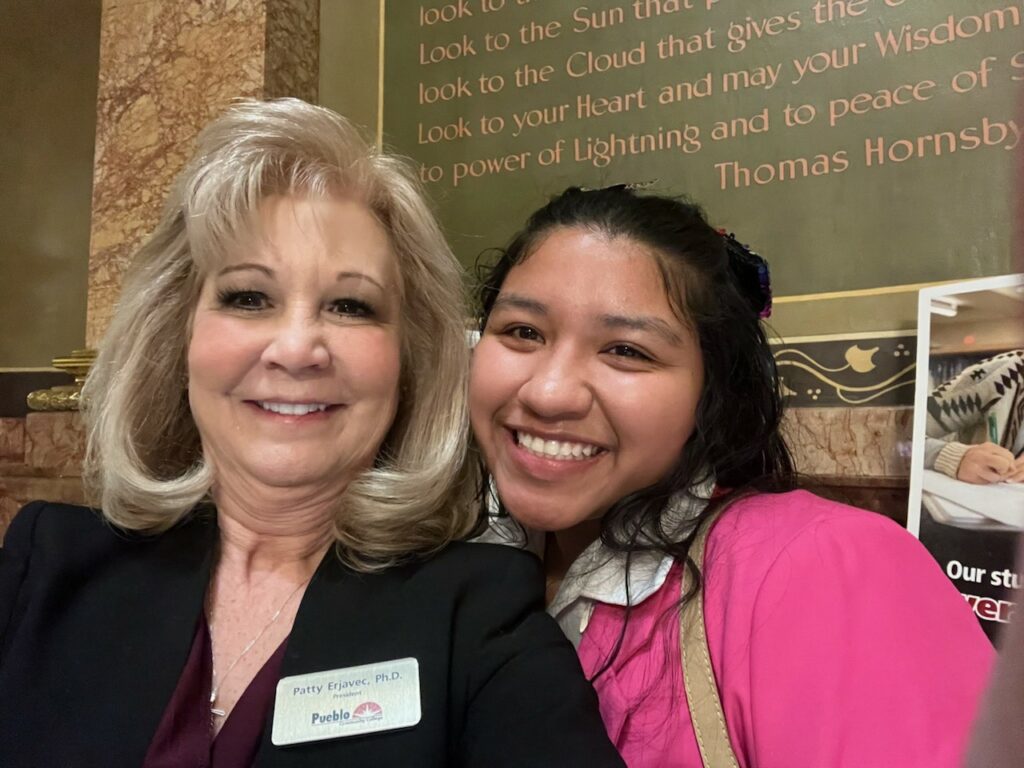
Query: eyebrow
646, 323
346, 274
643, 323
245, 266
343, 275
516, 301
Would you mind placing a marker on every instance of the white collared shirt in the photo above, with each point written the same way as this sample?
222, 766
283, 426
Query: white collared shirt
598, 575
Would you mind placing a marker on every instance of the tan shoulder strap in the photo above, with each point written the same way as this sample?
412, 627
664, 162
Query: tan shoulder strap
698, 675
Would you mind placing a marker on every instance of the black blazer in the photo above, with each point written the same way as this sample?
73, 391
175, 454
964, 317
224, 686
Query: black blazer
96, 625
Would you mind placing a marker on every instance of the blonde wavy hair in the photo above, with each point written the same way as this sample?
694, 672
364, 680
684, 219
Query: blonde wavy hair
144, 465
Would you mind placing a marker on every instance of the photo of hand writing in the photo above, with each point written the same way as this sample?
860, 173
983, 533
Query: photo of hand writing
974, 441
967, 481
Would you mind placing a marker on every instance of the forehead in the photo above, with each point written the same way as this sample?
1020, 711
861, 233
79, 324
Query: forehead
590, 270
335, 232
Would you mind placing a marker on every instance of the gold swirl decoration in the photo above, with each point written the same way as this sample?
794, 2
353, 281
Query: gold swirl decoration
66, 397
859, 361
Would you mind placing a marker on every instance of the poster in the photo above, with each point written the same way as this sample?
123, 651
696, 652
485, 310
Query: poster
967, 478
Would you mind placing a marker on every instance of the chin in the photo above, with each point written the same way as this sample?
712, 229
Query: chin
545, 515
283, 475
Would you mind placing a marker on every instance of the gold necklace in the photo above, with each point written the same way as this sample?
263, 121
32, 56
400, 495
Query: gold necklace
214, 684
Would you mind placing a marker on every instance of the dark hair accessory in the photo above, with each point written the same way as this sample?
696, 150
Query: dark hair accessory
751, 272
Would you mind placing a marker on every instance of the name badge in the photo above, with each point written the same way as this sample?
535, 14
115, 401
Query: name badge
347, 702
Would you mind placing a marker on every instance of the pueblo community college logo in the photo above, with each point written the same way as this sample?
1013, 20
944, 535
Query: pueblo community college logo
368, 710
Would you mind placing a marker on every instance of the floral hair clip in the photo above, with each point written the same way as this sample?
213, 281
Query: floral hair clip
751, 273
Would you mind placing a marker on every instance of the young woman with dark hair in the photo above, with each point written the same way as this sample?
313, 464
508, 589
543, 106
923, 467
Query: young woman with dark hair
625, 399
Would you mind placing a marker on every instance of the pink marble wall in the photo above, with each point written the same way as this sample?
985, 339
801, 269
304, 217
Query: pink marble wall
166, 68
40, 458
55, 442
12, 440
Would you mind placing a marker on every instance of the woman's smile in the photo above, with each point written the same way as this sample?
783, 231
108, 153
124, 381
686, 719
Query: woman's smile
584, 384
294, 361
549, 460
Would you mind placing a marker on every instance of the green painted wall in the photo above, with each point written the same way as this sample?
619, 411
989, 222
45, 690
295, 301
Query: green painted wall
936, 206
349, 54
48, 72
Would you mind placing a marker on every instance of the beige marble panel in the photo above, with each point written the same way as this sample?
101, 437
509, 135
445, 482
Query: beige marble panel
850, 442
166, 68
55, 442
12, 440
292, 63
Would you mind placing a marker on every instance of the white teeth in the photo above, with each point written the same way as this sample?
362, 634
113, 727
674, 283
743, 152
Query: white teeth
291, 409
555, 449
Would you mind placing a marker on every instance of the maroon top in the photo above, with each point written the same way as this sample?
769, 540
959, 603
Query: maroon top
185, 733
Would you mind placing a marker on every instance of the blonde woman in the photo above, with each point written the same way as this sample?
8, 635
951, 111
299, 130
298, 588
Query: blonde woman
277, 427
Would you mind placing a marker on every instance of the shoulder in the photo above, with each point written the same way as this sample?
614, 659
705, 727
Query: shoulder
774, 558
479, 554
54, 526
487, 599
42, 542
50, 543
762, 527
790, 546
811, 608
479, 568
67, 536
478, 591
792, 511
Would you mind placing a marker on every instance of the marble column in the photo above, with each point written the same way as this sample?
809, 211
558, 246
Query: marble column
166, 67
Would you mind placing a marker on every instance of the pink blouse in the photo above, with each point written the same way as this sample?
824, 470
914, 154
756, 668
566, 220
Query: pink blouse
836, 640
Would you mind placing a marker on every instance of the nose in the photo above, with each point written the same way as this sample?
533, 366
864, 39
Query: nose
297, 344
557, 388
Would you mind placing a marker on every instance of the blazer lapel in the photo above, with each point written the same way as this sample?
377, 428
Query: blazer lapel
156, 599
338, 625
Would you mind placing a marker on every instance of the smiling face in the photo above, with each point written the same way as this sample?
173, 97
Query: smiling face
584, 384
294, 357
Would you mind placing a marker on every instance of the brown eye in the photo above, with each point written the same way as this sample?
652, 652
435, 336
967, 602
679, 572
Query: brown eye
246, 300
352, 308
628, 351
523, 333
